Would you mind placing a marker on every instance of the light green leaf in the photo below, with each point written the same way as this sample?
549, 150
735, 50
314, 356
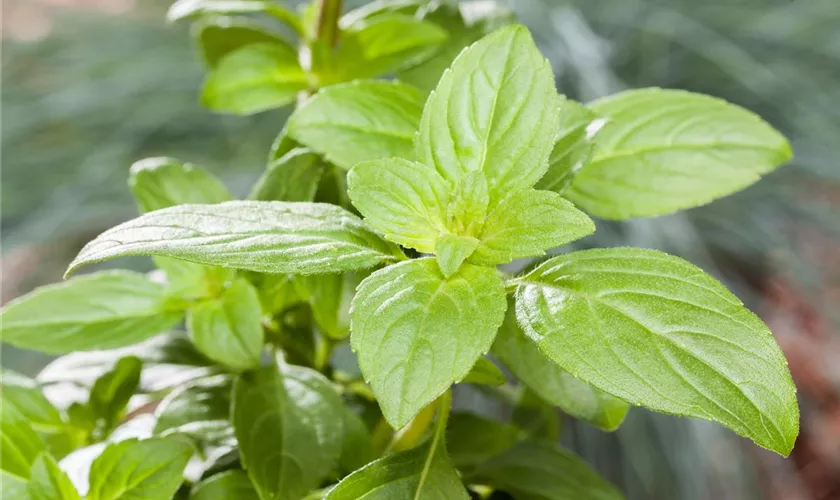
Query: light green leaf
462, 32
25, 396
111, 392
430, 334
20, 445
263, 236
183, 9
289, 425
13, 487
229, 329
254, 78
528, 223
97, 311
218, 36
376, 8
292, 177
132, 469
423, 472
667, 150
376, 46
530, 471
658, 332
579, 399
48, 482
494, 112
451, 251
404, 200
164, 182
472, 439
228, 485
203, 400
574, 146
358, 121
485, 372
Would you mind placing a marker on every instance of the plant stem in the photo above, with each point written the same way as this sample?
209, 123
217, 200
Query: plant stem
329, 12
410, 435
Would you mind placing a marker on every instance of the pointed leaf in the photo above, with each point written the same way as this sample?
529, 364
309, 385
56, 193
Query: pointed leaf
20, 445
666, 150
292, 177
48, 482
358, 121
451, 251
111, 392
24, 395
485, 372
97, 311
658, 332
263, 236
430, 334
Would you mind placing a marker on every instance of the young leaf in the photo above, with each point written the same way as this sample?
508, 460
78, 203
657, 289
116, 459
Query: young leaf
289, 426
375, 47
472, 439
204, 400
485, 372
24, 395
20, 445
451, 251
164, 182
292, 177
217, 37
97, 311
404, 200
229, 329
430, 334
528, 223
666, 150
580, 400
358, 121
233, 484
263, 236
658, 332
48, 482
423, 472
147, 469
493, 112
531, 471
574, 146
183, 9
112, 391
254, 78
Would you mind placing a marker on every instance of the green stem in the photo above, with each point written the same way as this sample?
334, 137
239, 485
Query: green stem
329, 11
409, 436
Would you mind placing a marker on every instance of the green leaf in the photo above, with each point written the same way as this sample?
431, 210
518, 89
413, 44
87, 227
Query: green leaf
164, 182
376, 46
289, 426
574, 146
358, 121
430, 334
203, 400
329, 296
535, 418
667, 150
658, 332
254, 78
472, 440
24, 395
48, 482
462, 32
451, 251
217, 37
376, 8
494, 112
404, 200
485, 372
20, 445
229, 329
263, 236
292, 177
530, 471
233, 484
183, 9
580, 400
357, 445
97, 311
132, 469
423, 472
111, 393
528, 223
13, 487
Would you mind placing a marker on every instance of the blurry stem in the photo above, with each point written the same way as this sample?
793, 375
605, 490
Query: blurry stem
329, 12
409, 436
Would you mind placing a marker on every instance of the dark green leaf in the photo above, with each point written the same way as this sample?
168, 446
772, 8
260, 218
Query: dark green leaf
658, 332
97, 311
204, 400
430, 334
111, 393
48, 482
292, 177
357, 445
359, 121
263, 236
536, 419
472, 439
230, 485
229, 329
217, 37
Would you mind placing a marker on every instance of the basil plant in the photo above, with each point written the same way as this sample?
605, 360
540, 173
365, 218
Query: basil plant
303, 343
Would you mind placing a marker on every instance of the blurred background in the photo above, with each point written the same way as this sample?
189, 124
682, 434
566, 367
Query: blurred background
90, 86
